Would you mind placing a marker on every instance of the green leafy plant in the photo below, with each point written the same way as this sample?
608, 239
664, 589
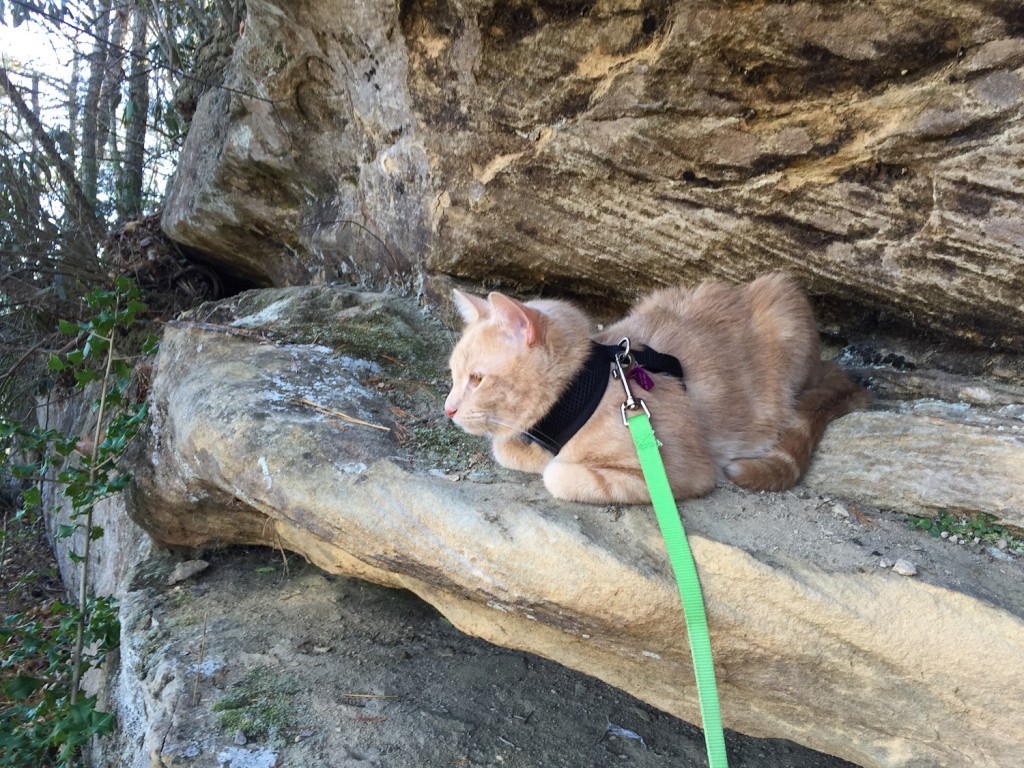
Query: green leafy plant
984, 527
44, 716
39, 721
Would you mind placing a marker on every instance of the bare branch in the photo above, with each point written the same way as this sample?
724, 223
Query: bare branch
79, 203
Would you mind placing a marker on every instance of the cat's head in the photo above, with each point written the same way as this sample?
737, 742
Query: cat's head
504, 366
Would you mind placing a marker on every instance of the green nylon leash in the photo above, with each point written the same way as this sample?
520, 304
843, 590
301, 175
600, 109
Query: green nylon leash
682, 565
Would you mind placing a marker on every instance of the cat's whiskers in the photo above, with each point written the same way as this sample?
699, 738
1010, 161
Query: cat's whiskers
514, 426
490, 419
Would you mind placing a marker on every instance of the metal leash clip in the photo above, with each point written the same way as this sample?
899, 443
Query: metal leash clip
623, 358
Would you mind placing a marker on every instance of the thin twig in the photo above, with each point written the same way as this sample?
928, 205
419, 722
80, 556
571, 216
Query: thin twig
83, 588
338, 414
215, 328
32, 350
280, 548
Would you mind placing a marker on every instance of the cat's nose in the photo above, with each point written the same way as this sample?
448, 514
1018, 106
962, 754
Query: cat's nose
451, 406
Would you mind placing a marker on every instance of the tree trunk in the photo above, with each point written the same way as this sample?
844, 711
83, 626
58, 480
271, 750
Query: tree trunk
90, 107
108, 151
130, 186
35, 109
72, 96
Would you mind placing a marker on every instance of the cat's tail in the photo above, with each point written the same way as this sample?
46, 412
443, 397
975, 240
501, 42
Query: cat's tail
835, 395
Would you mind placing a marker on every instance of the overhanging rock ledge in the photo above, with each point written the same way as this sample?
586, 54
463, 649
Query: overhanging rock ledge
263, 430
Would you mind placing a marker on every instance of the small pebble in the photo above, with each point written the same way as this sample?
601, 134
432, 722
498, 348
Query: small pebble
883, 563
239, 738
840, 511
944, 534
904, 568
1002, 544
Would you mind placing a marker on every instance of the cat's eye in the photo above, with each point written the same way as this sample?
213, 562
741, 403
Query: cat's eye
475, 379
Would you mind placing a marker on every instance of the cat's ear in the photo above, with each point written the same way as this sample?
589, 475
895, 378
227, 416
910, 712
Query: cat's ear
471, 307
522, 321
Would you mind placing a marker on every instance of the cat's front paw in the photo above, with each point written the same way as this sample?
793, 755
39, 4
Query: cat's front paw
522, 455
596, 485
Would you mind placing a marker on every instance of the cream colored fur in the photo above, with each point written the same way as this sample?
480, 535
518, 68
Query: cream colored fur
757, 397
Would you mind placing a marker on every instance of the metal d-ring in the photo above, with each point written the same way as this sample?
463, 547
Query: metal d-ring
623, 358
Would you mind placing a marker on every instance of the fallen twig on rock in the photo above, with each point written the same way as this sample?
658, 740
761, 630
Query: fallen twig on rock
338, 414
216, 328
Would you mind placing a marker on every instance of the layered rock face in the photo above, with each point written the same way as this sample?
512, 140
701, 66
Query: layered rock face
599, 150
309, 419
603, 148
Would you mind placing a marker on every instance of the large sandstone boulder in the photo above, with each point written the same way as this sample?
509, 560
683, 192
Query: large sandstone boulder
307, 419
601, 148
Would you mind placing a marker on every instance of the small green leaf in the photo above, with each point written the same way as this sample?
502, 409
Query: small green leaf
103, 323
95, 346
55, 363
114, 444
24, 471
102, 723
22, 687
100, 298
65, 444
68, 328
123, 371
32, 496
133, 309
114, 398
118, 483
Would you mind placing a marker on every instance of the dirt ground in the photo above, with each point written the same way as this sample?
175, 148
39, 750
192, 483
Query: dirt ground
295, 667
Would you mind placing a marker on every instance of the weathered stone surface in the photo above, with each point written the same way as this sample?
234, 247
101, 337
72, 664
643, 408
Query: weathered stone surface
123, 543
923, 463
306, 165
600, 148
260, 442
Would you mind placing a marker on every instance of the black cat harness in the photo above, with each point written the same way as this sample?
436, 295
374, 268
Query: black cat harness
579, 401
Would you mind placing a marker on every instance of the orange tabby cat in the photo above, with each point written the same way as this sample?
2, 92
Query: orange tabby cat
749, 405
